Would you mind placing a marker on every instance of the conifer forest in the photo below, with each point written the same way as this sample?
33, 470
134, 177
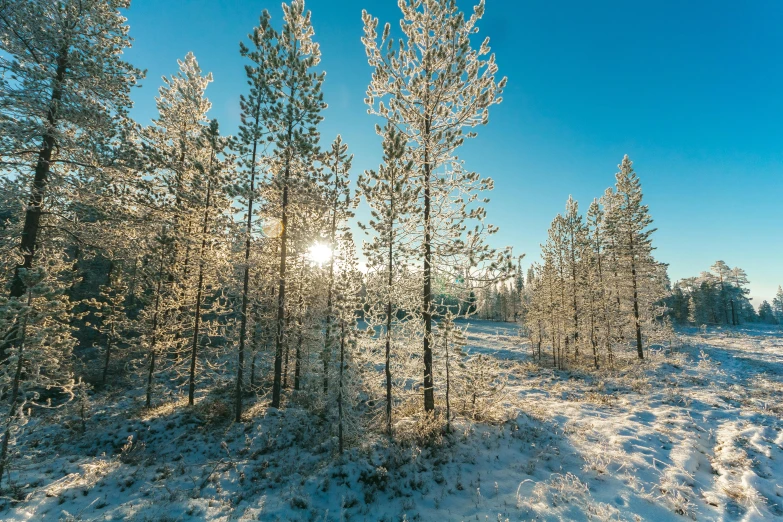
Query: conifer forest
207, 322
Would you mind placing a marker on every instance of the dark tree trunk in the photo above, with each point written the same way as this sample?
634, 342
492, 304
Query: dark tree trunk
448, 383
389, 287
429, 392
287, 350
278, 381
300, 333
387, 366
199, 290
153, 340
246, 279
639, 348
32, 217
326, 356
341, 442
107, 359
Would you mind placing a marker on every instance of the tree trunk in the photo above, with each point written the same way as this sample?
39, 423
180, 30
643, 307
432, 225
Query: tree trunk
389, 288
448, 383
108, 356
387, 367
326, 356
254, 342
340, 435
153, 340
298, 358
429, 393
246, 279
277, 384
576, 309
300, 333
639, 350
199, 290
32, 217
287, 350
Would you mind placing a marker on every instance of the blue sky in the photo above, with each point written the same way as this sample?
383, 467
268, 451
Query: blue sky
691, 91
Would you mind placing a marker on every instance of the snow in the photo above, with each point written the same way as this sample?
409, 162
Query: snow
694, 432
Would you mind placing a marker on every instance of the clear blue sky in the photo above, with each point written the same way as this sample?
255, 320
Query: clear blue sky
691, 91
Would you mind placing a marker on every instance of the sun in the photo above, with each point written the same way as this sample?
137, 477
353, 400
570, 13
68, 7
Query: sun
319, 253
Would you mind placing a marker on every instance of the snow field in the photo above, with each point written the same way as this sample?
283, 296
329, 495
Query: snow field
696, 433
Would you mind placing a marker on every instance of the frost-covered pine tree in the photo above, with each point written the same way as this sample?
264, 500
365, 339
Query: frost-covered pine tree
432, 84
392, 201
172, 151
211, 240
65, 91
601, 319
292, 115
451, 339
110, 316
249, 146
777, 305
555, 255
535, 316
739, 279
337, 199
545, 315
518, 291
722, 272
640, 286
38, 357
766, 314
181, 161
575, 260
345, 308
160, 298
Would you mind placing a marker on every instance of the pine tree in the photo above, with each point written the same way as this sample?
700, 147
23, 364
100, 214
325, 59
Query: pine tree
691, 310
517, 291
575, 259
252, 130
432, 86
38, 357
632, 246
766, 315
337, 199
211, 257
345, 306
599, 292
291, 116
777, 305
70, 93
535, 315
158, 314
174, 152
452, 339
722, 271
739, 279
392, 201
109, 311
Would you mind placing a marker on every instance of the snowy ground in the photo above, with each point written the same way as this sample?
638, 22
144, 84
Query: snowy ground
697, 434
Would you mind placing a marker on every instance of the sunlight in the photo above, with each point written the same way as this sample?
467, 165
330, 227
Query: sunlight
319, 253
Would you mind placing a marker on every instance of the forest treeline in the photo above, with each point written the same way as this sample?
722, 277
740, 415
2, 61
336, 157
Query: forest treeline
174, 258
